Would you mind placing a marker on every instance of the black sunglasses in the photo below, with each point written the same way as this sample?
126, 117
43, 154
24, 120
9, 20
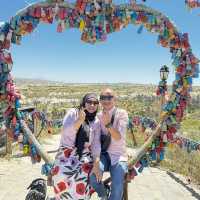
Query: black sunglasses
92, 102
106, 97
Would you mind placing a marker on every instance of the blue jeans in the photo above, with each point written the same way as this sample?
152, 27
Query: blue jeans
117, 173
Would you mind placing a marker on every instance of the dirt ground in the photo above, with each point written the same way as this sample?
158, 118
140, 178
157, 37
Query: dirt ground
153, 184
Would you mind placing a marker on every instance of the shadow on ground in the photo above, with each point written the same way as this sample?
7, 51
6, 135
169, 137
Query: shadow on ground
186, 186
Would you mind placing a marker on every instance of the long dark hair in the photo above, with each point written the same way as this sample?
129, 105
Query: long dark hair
83, 132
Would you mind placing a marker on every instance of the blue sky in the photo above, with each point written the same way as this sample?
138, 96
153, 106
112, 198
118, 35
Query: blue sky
126, 56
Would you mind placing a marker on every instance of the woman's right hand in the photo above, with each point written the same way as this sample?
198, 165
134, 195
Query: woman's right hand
81, 115
80, 119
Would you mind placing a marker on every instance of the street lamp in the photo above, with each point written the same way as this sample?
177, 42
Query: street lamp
162, 92
164, 72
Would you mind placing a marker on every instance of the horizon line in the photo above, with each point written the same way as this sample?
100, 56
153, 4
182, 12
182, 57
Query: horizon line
69, 82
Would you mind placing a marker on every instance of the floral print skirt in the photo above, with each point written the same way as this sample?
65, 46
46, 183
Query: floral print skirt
70, 175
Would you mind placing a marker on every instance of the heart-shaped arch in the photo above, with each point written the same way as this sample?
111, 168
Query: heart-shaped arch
97, 19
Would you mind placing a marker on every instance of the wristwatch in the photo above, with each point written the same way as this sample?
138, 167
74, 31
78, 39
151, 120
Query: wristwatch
109, 125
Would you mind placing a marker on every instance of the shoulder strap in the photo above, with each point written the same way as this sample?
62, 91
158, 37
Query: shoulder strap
113, 116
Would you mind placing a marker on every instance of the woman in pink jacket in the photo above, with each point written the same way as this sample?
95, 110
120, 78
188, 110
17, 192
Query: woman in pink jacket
79, 151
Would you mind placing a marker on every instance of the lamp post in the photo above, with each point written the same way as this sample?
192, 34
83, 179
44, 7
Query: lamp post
162, 93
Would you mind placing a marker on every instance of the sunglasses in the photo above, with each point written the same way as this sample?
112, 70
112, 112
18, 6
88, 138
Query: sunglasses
92, 102
106, 97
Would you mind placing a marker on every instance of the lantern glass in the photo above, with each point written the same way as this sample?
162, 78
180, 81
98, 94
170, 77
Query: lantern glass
164, 72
